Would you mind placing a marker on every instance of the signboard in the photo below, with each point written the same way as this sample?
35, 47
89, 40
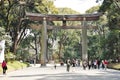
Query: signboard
2, 49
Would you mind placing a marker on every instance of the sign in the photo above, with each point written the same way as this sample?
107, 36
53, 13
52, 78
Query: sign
2, 49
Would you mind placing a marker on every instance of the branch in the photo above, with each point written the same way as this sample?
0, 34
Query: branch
32, 46
7, 16
22, 35
117, 5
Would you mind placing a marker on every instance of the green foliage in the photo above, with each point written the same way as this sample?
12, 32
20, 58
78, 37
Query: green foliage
72, 44
2, 33
114, 18
106, 5
9, 56
12, 18
47, 7
104, 41
111, 41
67, 11
23, 54
93, 9
111, 8
112, 44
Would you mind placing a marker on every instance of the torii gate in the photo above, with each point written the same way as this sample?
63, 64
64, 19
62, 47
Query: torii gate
64, 18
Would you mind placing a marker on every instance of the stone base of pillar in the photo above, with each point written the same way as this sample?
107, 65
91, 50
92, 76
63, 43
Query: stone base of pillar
43, 65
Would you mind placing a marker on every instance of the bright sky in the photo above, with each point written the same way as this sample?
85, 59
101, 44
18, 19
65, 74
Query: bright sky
77, 5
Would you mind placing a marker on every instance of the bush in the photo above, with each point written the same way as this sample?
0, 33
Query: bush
9, 56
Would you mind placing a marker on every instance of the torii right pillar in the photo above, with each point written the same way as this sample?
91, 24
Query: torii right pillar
84, 41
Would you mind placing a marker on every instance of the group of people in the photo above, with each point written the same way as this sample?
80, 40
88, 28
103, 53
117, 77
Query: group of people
91, 64
95, 64
72, 63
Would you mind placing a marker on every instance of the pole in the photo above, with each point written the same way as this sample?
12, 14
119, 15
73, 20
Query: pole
44, 43
84, 41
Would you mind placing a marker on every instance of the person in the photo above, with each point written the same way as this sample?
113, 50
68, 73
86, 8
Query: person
73, 63
68, 63
89, 64
98, 63
92, 64
79, 63
4, 67
55, 66
61, 63
84, 64
105, 64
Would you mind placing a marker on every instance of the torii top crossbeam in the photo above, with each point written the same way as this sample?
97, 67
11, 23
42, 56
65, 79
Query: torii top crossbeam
52, 17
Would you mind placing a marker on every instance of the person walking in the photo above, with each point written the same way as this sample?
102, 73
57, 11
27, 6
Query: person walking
4, 66
105, 64
68, 63
98, 63
89, 64
95, 64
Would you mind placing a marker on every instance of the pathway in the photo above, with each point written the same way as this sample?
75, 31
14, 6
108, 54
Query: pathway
49, 73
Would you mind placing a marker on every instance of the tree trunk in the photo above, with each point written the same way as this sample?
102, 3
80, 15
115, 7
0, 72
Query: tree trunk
60, 49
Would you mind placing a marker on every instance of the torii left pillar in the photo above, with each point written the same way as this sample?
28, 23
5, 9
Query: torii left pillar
44, 43
84, 41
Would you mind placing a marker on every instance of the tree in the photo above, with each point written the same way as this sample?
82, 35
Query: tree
12, 13
97, 36
108, 30
111, 8
12, 17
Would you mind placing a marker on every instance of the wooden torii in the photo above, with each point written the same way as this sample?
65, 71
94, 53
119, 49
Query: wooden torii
64, 18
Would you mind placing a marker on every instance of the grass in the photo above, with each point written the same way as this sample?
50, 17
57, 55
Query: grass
14, 65
114, 66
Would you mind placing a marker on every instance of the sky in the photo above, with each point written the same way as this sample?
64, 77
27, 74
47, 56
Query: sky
77, 5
